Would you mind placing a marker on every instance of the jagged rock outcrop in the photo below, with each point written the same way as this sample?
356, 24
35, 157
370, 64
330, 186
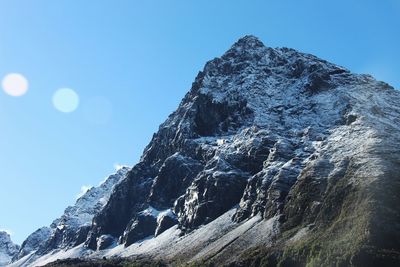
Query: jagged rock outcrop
72, 228
7, 248
252, 114
273, 152
165, 220
257, 129
34, 241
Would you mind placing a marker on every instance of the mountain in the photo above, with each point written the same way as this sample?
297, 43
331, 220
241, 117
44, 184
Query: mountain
274, 157
7, 248
72, 227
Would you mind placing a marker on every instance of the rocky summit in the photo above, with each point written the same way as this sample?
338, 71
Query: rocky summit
274, 158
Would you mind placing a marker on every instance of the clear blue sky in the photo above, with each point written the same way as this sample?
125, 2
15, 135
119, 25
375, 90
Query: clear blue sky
139, 58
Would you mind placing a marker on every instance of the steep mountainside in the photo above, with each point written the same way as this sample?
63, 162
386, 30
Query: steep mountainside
72, 227
7, 248
273, 157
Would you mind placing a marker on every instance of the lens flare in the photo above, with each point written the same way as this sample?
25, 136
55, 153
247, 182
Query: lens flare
66, 100
15, 84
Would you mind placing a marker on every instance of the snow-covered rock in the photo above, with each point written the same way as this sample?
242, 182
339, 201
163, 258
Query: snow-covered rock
7, 248
258, 123
34, 241
268, 141
72, 228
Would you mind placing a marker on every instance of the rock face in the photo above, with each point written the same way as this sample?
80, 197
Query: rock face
275, 131
271, 150
241, 135
165, 221
34, 241
72, 227
7, 248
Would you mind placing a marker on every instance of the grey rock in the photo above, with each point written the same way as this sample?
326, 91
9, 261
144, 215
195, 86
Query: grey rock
142, 226
105, 241
8, 249
174, 176
279, 140
164, 222
33, 242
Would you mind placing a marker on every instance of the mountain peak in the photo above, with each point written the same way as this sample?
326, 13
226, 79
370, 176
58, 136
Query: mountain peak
271, 146
248, 41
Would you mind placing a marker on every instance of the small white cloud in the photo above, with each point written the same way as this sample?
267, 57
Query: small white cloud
84, 189
118, 166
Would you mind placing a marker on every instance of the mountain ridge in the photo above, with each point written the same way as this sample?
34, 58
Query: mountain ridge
7, 248
71, 228
268, 140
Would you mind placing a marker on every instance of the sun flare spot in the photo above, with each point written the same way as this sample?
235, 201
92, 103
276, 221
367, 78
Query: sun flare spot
66, 100
15, 84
